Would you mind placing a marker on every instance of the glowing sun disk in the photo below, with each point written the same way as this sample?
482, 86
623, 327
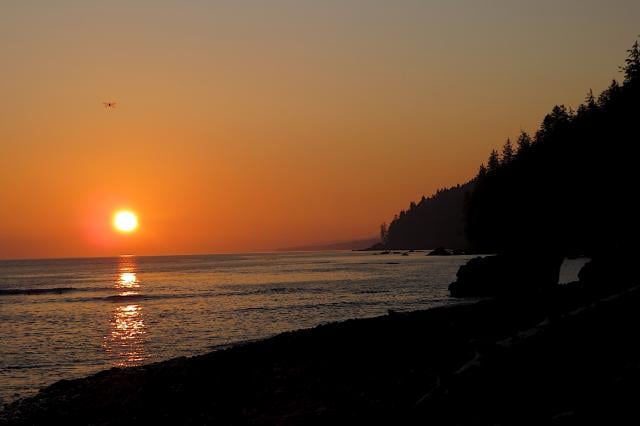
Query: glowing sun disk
125, 221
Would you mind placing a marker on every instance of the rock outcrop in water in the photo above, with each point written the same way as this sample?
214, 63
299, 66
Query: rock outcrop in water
506, 275
440, 251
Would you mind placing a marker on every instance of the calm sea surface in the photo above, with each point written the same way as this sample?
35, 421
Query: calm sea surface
62, 319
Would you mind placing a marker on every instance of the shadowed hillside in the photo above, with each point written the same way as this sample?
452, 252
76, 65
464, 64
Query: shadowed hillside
436, 221
571, 186
568, 187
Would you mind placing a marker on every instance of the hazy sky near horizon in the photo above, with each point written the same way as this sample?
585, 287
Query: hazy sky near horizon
253, 125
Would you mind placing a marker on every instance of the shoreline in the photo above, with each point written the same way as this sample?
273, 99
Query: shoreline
229, 346
397, 368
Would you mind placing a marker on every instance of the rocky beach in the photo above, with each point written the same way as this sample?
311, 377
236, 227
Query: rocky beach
561, 356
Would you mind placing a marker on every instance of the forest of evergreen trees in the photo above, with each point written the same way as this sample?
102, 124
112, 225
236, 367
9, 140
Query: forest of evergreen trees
571, 187
436, 221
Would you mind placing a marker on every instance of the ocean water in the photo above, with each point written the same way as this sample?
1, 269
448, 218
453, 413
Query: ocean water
66, 318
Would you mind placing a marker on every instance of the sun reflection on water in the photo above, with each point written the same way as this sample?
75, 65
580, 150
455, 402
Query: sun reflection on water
127, 331
128, 280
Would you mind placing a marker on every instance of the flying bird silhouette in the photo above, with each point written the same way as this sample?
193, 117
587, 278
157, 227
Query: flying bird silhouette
109, 104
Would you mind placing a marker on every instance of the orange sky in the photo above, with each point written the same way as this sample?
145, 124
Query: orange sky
249, 125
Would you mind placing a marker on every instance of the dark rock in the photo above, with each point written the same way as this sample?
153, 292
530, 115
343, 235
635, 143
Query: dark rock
506, 274
608, 272
571, 368
440, 251
458, 252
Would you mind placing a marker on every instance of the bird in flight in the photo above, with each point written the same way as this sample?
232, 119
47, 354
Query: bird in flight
109, 104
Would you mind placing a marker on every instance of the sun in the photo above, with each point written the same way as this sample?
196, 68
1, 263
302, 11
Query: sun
125, 221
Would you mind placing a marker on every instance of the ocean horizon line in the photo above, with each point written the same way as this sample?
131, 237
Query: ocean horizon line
273, 251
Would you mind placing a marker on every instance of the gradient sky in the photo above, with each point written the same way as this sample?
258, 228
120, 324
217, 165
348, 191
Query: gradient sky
253, 125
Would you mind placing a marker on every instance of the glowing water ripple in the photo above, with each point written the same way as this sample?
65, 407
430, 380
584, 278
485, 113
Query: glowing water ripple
127, 334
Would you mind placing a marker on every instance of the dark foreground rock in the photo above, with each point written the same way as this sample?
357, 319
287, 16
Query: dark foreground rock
563, 357
619, 270
506, 275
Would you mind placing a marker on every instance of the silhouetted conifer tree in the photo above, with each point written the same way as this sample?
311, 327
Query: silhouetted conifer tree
590, 100
632, 63
482, 172
609, 94
507, 152
524, 143
493, 163
589, 103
